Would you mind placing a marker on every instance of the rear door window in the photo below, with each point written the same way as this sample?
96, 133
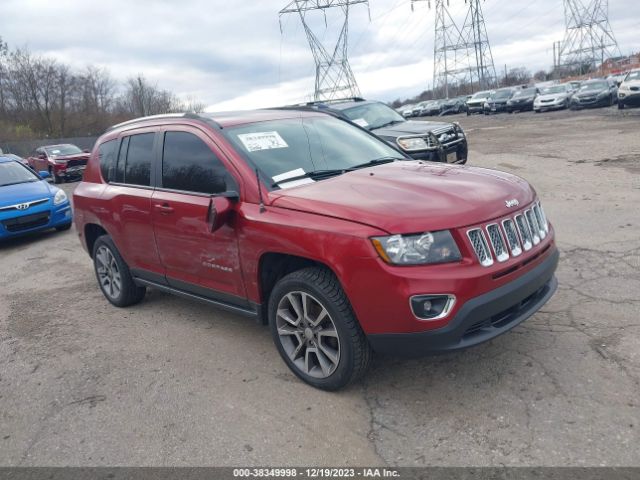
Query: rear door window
137, 170
107, 159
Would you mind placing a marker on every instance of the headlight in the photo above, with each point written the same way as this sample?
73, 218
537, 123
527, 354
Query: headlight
60, 197
413, 143
420, 249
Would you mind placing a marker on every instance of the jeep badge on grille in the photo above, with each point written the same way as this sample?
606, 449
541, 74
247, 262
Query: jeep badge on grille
512, 203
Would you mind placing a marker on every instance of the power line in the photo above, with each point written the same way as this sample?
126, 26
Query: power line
334, 77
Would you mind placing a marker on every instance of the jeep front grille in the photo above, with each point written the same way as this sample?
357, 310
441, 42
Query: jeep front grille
525, 233
480, 246
499, 248
510, 236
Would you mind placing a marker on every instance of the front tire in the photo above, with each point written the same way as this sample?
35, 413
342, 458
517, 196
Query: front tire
620, 105
315, 330
113, 274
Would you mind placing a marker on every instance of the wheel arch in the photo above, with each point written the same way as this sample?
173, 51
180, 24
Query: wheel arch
273, 266
92, 232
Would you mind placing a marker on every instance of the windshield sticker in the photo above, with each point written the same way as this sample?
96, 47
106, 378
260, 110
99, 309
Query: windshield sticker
257, 141
361, 121
282, 183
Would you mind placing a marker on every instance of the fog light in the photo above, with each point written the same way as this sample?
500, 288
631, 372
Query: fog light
432, 307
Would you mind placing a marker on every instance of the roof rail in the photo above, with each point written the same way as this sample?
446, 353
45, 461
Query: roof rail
161, 116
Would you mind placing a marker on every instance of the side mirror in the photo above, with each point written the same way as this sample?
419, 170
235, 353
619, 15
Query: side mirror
44, 174
220, 207
42, 156
86, 150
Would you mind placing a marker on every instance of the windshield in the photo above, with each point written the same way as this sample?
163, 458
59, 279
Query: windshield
12, 173
633, 76
527, 92
292, 147
554, 89
481, 95
502, 94
594, 86
373, 115
59, 150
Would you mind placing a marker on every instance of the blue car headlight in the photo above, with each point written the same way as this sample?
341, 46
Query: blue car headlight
60, 197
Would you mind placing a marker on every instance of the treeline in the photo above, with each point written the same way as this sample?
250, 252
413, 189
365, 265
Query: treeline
509, 78
41, 97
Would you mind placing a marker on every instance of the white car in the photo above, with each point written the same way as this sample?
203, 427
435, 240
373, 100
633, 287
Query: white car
407, 110
475, 104
553, 98
629, 90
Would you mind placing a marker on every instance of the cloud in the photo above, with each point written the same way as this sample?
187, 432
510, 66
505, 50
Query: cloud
233, 54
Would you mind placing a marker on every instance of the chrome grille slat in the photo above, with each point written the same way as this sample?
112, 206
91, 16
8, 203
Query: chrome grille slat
541, 225
543, 218
525, 233
499, 247
512, 237
533, 226
480, 246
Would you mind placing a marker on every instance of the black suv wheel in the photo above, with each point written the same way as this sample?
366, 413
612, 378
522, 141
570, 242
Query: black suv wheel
315, 329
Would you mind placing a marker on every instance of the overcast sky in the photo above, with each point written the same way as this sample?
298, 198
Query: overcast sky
232, 54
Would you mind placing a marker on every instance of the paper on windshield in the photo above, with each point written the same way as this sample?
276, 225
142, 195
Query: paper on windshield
361, 121
257, 141
292, 174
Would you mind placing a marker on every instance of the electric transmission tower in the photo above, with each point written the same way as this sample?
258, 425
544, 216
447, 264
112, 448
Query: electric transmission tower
461, 55
334, 77
588, 38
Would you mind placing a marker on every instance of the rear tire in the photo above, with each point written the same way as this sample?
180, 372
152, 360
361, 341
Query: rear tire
114, 277
315, 330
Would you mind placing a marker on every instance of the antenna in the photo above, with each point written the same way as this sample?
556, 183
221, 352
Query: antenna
588, 38
461, 56
334, 77
262, 207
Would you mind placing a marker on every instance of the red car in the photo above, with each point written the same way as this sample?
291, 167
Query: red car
338, 241
63, 162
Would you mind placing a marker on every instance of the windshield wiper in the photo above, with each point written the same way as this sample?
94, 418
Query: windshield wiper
320, 174
375, 161
388, 124
312, 174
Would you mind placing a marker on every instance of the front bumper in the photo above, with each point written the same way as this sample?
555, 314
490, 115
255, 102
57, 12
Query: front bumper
631, 99
456, 153
585, 103
16, 223
481, 318
520, 106
495, 108
475, 108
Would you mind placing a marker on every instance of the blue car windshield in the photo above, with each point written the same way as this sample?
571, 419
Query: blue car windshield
12, 173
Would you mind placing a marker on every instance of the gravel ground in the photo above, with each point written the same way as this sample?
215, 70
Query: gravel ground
170, 382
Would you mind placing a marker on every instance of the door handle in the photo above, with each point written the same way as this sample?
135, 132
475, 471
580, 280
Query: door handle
164, 209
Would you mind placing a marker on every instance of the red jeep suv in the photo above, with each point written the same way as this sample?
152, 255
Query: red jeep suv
336, 240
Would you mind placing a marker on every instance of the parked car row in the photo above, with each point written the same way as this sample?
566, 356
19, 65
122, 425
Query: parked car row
598, 92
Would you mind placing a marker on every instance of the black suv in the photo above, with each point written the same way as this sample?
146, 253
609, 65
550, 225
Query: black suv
436, 141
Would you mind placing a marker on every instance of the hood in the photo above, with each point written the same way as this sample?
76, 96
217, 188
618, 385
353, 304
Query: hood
411, 127
24, 192
77, 156
591, 92
497, 100
551, 96
630, 83
410, 196
477, 100
528, 98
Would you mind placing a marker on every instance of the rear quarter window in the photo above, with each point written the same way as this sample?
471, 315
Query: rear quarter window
107, 160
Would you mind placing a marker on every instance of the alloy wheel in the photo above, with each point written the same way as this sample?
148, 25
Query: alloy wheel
108, 272
307, 334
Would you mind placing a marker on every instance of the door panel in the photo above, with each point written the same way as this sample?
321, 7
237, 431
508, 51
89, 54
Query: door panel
191, 253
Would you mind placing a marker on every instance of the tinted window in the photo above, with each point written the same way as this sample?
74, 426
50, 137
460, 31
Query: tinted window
188, 164
122, 156
107, 159
137, 169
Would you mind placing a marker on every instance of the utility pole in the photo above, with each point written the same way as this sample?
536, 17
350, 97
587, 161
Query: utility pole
334, 77
462, 56
588, 36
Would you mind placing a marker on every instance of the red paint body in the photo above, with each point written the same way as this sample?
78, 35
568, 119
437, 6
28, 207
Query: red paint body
330, 222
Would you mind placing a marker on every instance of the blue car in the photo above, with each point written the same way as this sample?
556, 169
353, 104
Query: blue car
28, 203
